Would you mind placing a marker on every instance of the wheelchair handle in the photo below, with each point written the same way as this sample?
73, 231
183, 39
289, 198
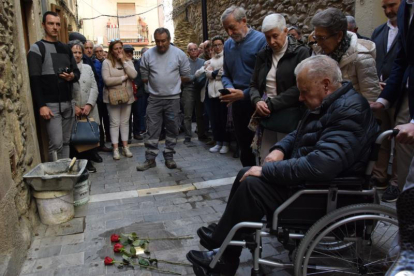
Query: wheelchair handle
386, 134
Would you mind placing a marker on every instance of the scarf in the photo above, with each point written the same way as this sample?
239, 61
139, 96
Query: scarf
341, 49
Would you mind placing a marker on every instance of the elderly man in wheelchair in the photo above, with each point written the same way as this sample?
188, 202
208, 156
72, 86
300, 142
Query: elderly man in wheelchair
313, 189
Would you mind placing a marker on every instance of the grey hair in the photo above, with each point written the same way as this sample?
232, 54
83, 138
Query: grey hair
333, 19
189, 44
238, 12
351, 20
273, 21
89, 41
97, 46
320, 66
76, 42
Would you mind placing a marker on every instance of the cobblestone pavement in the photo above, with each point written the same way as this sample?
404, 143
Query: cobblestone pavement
116, 208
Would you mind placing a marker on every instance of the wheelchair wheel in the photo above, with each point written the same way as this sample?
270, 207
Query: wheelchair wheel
367, 234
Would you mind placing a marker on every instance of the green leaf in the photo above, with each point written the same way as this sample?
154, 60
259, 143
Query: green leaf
134, 235
136, 243
124, 240
133, 251
143, 262
141, 243
126, 259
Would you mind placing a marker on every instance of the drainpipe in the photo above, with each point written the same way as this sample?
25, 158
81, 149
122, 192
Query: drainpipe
204, 17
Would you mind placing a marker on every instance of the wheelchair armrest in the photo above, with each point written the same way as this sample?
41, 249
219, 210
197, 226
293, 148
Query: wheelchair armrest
342, 183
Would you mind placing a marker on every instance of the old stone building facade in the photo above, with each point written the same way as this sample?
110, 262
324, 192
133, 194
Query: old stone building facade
187, 13
20, 26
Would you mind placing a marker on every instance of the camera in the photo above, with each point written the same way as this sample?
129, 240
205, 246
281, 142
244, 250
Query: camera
64, 70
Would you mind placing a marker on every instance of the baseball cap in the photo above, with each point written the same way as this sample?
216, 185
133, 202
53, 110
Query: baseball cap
128, 47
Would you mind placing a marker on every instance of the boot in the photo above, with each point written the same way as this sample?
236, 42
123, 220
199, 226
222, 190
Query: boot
405, 207
148, 164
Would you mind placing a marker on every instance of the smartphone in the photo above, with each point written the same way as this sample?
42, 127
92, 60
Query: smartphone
224, 91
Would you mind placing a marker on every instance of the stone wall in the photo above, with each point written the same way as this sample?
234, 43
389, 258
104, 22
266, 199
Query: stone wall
18, 144
297, 13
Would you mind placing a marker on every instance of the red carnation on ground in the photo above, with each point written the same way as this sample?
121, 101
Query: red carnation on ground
118, 247
108, 261
114, 238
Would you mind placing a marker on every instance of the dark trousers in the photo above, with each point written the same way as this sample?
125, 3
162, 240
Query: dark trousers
242, 112
249, 200
219, 116
139, 109
104, 119
190, 99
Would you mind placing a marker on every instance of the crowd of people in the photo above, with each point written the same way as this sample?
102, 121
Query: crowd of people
300, 109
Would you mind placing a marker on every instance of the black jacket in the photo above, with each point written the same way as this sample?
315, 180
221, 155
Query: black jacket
403, 67
334, 141
288, 93
138, 80
384, 59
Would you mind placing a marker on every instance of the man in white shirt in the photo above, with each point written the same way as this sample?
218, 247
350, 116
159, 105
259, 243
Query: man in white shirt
399, 90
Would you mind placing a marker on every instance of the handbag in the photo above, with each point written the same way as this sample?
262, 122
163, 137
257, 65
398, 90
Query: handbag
85, 132
119, 95
284, 121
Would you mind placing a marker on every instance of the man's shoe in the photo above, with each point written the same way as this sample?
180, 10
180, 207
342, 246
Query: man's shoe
202, 259
391, 194
104, 149
95, 157
138, 137
379, 185
210, 142
90, 168
206, 238
116, 154
170, 164
126, 152
188, 143
203, 138
236, 154
148, 164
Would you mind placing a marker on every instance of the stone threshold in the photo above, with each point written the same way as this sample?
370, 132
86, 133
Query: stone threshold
162, 190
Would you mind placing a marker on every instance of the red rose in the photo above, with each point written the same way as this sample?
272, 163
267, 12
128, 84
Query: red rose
114, 238
108, 261
118, 247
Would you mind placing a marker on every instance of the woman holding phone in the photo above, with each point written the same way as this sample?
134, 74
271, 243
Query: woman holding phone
214, 71
118, 74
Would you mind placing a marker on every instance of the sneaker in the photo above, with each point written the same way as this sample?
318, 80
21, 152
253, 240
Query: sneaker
188, 143
116, 154
391, 194
148, 164
90, 167
170, 163
224, 149
379, 185
126, 152
138, 137
216, 148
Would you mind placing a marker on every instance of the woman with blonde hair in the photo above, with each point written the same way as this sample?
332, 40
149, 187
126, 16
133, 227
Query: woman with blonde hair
118, 74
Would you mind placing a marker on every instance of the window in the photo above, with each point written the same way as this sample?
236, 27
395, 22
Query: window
128, 27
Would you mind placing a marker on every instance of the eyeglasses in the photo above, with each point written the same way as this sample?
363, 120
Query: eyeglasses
323, 38
192, 50
217, 45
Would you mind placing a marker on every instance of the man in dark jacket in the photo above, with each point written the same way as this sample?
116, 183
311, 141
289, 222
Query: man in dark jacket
333, 139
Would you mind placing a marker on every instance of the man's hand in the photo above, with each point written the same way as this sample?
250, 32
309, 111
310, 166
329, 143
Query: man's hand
46, 113
382, 85
86, 109
253, 171
262, 109
406, 134
376, 106
276, 155
78, 111
235, 95
67, 77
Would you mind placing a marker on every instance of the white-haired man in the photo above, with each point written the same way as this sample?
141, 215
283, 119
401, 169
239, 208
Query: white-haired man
335, 136
239, 59
190, 97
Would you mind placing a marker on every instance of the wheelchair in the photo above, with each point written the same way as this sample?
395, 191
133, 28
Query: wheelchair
335, 228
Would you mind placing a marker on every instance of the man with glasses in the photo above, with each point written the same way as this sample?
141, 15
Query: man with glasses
239, 59
190, 97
